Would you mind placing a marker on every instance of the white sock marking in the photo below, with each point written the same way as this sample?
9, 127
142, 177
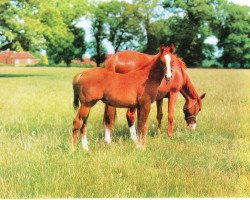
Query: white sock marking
168, 59
85, 142
133, 133
107, 135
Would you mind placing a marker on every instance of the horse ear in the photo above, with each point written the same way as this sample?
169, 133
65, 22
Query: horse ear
203, 95
162, 48
172, 48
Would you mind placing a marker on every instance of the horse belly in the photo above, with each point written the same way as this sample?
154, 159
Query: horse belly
121, 98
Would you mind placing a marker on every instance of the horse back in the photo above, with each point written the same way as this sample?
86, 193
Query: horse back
126, 61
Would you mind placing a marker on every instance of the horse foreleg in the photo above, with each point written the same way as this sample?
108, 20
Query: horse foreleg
109, 121
159, 113
171, 104
143, 113
131, 112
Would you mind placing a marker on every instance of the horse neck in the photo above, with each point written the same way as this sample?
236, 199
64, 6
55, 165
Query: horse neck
154, 71
188, 90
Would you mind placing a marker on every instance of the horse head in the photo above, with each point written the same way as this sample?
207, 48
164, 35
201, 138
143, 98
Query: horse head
166, 57
191, 110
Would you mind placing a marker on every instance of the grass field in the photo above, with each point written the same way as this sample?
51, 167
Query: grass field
36, 160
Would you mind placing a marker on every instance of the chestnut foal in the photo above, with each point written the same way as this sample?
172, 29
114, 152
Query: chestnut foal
122, 62
136, 89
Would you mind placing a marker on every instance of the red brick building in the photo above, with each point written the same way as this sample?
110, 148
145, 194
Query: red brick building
86, 61
17, 58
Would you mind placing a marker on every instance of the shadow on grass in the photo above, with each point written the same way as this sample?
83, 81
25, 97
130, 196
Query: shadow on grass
20, 75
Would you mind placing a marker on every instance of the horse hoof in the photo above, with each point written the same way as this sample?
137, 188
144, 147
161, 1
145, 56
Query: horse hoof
140, 146
108, 142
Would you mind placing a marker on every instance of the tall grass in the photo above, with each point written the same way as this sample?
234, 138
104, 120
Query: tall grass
36, 160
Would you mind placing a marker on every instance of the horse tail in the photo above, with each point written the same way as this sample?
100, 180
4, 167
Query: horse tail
76, 89
76, 96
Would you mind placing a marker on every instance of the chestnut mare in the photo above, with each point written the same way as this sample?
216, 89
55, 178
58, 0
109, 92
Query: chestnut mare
126, 61
136, 89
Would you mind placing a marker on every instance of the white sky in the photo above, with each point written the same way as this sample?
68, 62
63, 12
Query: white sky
86, 24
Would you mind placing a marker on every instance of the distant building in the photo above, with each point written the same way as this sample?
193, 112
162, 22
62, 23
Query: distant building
17, 58
86, 61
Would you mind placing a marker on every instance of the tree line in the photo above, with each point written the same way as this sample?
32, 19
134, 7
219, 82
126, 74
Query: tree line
52, 25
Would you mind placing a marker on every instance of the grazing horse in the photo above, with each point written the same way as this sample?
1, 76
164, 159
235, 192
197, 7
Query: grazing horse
126, 61
136, 89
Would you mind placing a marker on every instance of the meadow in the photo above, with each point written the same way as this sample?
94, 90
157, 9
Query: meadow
36, 160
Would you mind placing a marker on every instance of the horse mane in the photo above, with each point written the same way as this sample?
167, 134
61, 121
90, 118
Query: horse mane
150, 62
181, 62
189, 86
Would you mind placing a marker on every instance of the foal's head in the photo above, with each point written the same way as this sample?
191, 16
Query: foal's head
191, 110
166, 58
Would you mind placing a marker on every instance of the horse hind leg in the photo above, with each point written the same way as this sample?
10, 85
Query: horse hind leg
131, 115
80, 122
109, 121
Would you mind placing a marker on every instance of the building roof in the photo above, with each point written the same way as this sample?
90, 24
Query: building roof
16, 55
86, 61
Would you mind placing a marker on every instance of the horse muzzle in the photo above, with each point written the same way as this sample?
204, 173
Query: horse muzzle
168, 77
192, 126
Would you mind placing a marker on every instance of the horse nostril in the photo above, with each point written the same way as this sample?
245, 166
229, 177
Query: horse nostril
167, 78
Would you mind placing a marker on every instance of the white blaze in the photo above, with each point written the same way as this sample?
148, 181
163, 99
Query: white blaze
107, 135
85, 142
133, 133
168, 59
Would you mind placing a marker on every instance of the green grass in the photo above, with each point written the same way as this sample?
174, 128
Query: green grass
36, 160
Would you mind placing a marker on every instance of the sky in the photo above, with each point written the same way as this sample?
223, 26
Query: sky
86, 24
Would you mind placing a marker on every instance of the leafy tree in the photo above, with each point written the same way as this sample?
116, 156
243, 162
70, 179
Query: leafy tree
123, 22
43, 24
189, 27
119, 23
232, 27
98, 29
65, 40
18, 30
149, 11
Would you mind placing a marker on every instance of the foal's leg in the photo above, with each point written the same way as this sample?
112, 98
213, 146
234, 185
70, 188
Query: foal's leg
131, 123
171, 104
159, 113
109, 120
83, 130
143, 113
80, 122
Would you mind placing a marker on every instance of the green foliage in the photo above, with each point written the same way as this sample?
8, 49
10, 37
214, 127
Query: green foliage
43, 24
32, 25
123, 22
119, 23
99, 33
45, 60
232, 28
150, 13
189, 27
